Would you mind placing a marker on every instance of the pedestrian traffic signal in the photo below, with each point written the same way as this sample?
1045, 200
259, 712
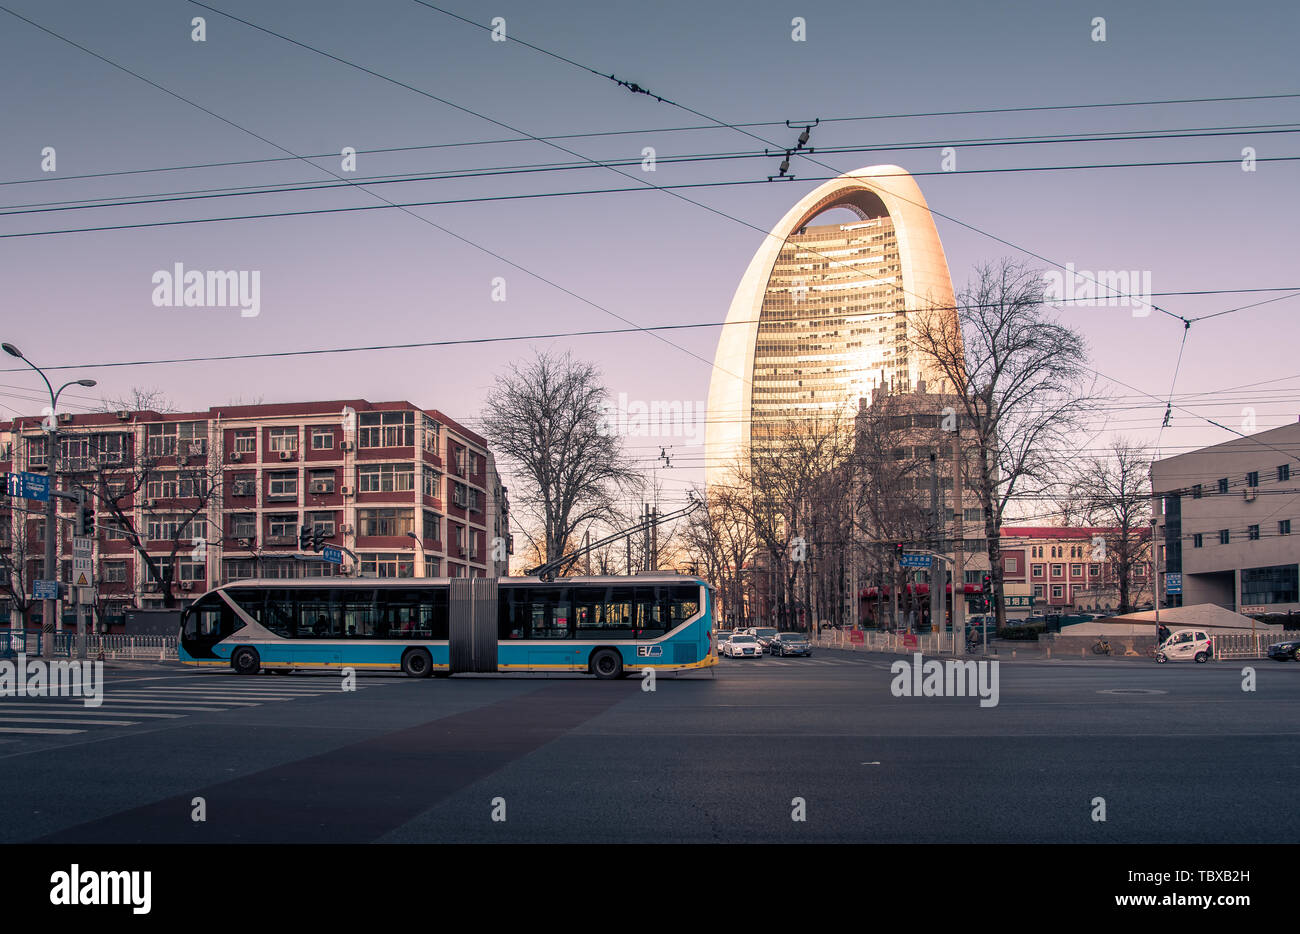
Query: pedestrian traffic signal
317, 539
85, 523
898, 552
304, 538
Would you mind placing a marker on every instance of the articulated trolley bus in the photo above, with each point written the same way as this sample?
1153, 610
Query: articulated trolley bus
597, 625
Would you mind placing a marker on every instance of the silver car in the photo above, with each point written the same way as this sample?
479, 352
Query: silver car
742, 645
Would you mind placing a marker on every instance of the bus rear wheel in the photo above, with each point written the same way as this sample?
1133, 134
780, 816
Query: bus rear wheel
417, 663
607, 664
246, 661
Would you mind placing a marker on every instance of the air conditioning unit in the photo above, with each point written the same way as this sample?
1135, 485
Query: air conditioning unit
1251, 492
320, 486
349, 491
347, 446
187, 585
150, 503
236, 456
124, 415
286, 455
346, 529
66, 418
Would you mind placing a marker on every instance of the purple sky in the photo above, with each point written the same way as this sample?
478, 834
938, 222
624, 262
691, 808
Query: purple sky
348, 279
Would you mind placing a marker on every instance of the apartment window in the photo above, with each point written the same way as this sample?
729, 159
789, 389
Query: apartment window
388, 522
1284, 527
432, 527
386, 430
1223, 484
282, 525
386, 478
175, 528
1038, 591
1094, 570
284, 484
243, 485
1198, 540
168, 438
162, 486
320, 481
112, 448
973, 515
1058, 591
459, 494
322, 439
233, 569
190, 571
1196, 491
246, 441
283, 439
1076, 570
1252, 478
1224, 537
114, 572
431, 480
322, 522
430, 435
192, 485
1038, 570
113, 532
1252, 533
460, 539
387, 565
1283, 473
1058, 570
243, 525
1012, 565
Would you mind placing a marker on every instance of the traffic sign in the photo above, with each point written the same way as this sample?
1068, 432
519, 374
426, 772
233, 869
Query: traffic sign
914, 561
1174, 582
331, 555
83, 574
25, 485
45, 590
82, 547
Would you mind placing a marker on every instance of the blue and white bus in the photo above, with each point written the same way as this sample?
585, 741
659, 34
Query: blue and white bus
597, 625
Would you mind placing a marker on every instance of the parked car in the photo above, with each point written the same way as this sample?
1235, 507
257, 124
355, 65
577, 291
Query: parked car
1185, 645
743, 645
1284, 651
790, 643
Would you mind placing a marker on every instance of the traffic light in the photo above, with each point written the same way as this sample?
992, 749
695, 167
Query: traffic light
85, 523
988, 593
304, 538
317, 539
898, 552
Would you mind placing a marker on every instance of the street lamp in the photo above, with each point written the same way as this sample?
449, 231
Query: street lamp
1155, 577
49, 622
416, 538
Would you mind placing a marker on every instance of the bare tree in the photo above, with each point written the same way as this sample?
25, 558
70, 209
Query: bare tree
1021, 378
137, 399
18, 549
545, 417
719, 539
1114, 491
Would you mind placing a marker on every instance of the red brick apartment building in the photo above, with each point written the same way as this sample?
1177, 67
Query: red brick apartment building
1069, 569
222, 495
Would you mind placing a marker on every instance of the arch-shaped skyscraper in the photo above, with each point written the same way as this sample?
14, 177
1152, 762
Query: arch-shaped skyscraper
821, 315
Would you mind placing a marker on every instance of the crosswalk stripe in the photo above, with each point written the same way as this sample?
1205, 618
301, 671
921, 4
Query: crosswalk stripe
203, 698
90, 711
173, 706
171, 701
32, 729
57, 720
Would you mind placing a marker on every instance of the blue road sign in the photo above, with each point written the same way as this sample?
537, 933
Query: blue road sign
914, 561
331, 555
1174, 582
45, 590
29, 486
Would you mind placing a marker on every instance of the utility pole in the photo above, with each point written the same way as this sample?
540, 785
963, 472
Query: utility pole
936, 567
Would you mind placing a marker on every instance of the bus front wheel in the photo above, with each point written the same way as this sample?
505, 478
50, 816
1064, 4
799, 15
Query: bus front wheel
417, 663
246, 661
607, 664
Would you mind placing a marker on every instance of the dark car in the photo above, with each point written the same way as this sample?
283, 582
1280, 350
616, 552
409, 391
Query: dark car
790, 643
1284, 651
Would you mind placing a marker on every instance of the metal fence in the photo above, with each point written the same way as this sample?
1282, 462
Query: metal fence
873, 641
1245, 644
15, 641
118, 646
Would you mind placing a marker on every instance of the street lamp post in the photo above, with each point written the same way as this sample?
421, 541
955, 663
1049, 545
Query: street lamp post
1155, 578
49, 620
416, 538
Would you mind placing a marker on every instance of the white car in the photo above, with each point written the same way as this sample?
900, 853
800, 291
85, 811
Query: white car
1185, 645
742, 645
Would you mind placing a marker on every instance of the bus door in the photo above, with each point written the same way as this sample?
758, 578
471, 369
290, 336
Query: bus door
473, 624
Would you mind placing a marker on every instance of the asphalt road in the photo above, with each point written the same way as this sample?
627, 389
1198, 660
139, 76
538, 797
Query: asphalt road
1179, 753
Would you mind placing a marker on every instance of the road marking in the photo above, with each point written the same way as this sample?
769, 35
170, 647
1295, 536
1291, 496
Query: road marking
90, 711
170, 701
22, 729
65, 720
152, 704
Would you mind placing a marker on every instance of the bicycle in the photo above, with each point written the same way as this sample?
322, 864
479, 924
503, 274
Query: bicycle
1101, 647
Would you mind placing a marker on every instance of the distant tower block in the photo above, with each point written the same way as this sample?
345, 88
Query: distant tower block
821, 315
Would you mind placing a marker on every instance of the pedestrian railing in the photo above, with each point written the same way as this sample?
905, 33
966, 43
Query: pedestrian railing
870, 640
1243, 645
19, 641
119, 646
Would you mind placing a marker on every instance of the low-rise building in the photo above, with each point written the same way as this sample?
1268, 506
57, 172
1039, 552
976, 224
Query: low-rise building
1068, 569
1226, 515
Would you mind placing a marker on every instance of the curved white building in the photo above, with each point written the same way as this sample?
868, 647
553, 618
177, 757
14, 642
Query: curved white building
820, 317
